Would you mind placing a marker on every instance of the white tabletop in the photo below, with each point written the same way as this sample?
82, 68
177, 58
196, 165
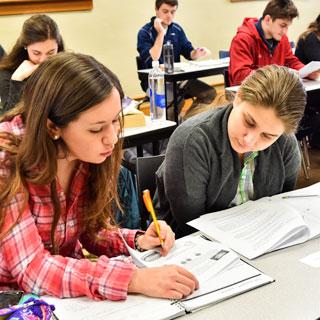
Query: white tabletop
294, 295
193, 65
150, 127
309, 85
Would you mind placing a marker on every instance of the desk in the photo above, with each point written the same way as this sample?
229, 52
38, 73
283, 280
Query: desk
294, 295
310, 85
152, 132
190, 70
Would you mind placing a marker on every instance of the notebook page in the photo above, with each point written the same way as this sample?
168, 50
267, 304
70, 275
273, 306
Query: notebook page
135, 307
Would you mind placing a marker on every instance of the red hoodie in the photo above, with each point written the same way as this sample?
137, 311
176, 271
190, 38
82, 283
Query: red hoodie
248, 52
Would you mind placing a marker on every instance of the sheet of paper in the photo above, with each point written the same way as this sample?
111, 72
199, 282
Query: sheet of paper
309, 68
308, 207
204, 258
135, 307
210, 62
255, 227
312, 259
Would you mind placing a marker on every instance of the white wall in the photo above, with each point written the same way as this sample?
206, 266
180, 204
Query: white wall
109, 31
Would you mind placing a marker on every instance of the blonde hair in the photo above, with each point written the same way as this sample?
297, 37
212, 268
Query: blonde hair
279, 88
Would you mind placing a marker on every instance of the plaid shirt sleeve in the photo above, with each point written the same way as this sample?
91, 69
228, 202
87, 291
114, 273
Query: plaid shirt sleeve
24, 260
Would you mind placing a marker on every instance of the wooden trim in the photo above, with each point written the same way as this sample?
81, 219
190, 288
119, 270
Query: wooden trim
8, 7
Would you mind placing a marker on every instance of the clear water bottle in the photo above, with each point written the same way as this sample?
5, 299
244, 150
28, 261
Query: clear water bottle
168, 57
157, 93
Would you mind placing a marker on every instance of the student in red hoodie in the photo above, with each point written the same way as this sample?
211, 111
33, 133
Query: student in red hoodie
260, 42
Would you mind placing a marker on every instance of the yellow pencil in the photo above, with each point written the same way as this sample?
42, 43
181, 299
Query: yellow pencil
148, 203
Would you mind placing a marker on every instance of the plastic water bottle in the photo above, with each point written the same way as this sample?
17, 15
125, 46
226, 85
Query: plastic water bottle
157, 93
168, 57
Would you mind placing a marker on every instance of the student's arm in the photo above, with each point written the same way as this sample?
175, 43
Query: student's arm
291, 161
148, 48
187, 170
186, 47
156, 49
291, 60
241, 59
27, 262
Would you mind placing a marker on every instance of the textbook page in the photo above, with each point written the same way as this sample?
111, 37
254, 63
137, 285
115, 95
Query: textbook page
255, 227
308, 207
202, 257
309, 68
134, 307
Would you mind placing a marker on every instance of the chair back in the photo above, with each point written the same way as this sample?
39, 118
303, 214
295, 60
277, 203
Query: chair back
226, 78
139, 62
146, 168
224, 54
143, 81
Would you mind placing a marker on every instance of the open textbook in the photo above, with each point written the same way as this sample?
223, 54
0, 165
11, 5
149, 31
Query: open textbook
309, 68
229, 277
267, 224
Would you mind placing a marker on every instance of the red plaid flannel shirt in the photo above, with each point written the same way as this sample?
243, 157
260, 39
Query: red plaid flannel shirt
25, 259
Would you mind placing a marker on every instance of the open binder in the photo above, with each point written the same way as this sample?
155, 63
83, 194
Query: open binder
229, 276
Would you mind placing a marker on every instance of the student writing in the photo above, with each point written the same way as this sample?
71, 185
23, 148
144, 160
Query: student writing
242, 151
59, 161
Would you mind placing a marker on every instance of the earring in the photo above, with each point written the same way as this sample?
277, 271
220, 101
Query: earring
56, 137
25, 48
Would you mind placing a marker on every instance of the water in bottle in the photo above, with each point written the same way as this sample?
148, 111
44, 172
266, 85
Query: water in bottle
157, 93
168, 59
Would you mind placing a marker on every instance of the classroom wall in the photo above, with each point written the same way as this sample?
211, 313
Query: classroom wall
109, 31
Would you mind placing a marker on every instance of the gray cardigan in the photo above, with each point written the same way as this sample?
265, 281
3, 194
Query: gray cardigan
201, 171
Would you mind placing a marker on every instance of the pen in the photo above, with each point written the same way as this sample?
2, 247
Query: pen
301, 196
148, 203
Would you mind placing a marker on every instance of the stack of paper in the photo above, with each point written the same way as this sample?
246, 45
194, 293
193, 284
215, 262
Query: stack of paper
132, 116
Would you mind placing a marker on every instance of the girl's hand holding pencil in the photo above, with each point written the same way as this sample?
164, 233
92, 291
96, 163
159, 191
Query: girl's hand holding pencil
158, 233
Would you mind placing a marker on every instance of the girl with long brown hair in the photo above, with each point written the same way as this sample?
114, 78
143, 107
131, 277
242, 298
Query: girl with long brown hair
40, 38
59, 161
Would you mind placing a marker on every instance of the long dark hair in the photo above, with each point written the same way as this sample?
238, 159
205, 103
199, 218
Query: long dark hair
37, 28
314, 26
60, 89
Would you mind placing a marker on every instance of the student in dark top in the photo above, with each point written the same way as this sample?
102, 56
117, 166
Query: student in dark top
307, 50
2, 52
39, 39
308, 45
244, 151
157, 32
264, 41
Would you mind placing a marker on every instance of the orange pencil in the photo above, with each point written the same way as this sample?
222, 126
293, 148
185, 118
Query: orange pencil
148, 203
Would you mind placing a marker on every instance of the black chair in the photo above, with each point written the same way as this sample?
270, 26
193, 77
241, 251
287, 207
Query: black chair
226, 78
2, 52
303, 136
224, 54
143, 81
146, 168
